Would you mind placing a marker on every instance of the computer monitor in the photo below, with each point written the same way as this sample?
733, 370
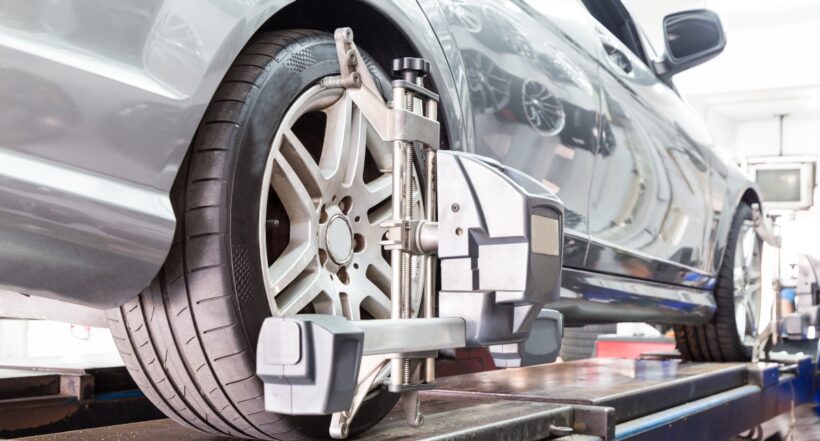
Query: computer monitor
784, 185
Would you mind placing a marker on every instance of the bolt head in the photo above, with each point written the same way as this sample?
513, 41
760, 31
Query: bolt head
348, 35
455, 207
420, 66
351, 57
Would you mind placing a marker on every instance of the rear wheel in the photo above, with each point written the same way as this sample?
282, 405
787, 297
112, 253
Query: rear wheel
731, 334
278, 209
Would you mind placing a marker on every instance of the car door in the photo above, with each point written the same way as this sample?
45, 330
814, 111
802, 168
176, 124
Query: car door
649, 198
527, 69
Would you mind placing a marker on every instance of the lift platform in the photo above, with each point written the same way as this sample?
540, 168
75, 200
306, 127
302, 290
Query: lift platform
57, 394
586, 400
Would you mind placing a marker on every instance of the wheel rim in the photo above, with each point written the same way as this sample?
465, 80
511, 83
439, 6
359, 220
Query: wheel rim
542, 108
747, 283
325, 192
330, 194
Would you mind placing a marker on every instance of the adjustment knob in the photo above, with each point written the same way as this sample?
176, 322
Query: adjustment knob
409, 68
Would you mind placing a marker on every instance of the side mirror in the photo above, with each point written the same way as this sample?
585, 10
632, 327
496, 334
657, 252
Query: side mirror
692, 38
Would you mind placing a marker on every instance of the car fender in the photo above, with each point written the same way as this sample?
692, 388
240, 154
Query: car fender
85, 212
730, 188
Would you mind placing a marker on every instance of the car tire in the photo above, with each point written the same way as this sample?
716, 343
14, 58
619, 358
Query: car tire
720, 339
189, 339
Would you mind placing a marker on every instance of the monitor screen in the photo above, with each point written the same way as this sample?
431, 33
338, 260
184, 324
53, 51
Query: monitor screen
779, 185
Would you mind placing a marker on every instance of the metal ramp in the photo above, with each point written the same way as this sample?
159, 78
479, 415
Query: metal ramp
597, 399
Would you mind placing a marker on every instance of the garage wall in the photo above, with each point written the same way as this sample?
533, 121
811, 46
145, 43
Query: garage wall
761, 137
34, 339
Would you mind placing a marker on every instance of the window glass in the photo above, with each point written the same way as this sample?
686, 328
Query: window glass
608, 15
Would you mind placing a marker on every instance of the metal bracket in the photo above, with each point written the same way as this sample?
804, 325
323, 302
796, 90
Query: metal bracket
340, 422
354, 72
403, 126
414, 236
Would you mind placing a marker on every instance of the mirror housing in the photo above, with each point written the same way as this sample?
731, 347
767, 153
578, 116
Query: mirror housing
692, 38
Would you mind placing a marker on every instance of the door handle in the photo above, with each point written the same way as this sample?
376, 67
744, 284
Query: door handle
617, 57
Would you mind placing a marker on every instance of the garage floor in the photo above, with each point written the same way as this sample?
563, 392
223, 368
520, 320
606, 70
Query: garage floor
806, 428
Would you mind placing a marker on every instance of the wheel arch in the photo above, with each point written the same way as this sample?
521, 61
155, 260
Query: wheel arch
746, 194
380, 28
750, 196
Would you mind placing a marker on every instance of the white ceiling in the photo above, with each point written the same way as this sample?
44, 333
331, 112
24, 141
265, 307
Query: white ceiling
771, 64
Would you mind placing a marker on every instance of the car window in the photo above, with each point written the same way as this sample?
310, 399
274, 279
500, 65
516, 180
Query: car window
650, 45
615, 17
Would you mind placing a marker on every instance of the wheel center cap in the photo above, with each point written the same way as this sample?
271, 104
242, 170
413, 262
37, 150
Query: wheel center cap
339, 239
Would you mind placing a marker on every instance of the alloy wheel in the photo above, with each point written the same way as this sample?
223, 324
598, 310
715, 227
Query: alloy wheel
326, 191
747, 283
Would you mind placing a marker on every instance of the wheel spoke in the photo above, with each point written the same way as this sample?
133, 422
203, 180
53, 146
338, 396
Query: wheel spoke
352, 307
294, 261
329, 303
376, 302
294, 196
379, 190
740, 318
379, 274
301, 292
746, 245
751, 319
752, 273
303, 165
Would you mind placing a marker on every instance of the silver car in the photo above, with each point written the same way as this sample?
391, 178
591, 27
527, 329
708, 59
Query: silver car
179, 164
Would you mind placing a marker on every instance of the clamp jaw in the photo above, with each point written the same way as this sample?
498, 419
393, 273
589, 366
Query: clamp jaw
495, 234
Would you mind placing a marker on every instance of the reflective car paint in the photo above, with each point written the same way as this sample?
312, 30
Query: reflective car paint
113, 92
100, 102
529, 70
651, 184
588, 297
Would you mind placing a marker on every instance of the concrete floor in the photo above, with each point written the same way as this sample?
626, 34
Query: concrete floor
806, 426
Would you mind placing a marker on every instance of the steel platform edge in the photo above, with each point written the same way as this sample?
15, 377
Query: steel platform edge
586, 400
651, 399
